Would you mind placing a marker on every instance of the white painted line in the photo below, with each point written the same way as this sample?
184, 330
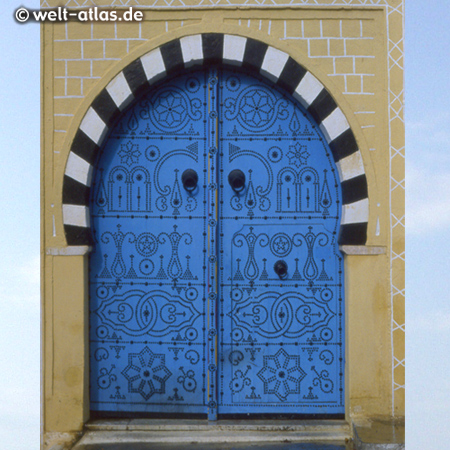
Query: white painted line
79, 169
76, 215
308, 89
362, 250
192, 49
351, 166
357, 212
72, 250
153, 64
93, 126
273, 64
119, 91
233, 49
334, 125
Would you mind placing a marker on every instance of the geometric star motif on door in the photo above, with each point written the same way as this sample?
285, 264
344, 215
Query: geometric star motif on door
281, 374
297, 155
257, 108
280, 244
129, 153
171, 109
146, 373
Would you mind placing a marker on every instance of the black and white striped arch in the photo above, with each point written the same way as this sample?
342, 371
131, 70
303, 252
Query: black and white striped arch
207, 49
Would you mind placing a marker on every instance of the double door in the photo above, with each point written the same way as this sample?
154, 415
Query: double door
216, 282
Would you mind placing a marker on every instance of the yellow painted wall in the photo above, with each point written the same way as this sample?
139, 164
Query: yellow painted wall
357, 53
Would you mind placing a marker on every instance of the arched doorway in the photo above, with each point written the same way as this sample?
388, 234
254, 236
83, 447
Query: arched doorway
222, 295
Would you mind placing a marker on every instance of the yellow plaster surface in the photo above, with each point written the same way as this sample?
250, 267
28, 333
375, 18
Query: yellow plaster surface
367, 336
65, 310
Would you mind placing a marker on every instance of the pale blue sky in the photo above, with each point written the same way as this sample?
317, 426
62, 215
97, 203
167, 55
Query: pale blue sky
428, 221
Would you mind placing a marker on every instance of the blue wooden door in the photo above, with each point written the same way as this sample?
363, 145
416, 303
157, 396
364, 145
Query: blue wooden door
216, 282
281, 318
148, 270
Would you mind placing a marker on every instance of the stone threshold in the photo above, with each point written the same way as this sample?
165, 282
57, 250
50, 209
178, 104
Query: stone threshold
136, 431
219, 425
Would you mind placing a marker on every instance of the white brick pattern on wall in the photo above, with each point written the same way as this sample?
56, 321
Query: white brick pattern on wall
347, 55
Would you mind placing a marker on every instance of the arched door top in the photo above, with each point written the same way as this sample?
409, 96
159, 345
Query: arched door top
204, 50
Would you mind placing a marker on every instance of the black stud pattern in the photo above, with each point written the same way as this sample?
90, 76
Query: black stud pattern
216, 278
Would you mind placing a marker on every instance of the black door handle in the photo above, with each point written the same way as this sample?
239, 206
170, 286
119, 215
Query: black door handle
281, 269
236, 178
189, 180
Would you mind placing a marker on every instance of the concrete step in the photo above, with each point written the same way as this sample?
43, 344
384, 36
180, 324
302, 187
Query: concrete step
314, 426
195, 434
141, 444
